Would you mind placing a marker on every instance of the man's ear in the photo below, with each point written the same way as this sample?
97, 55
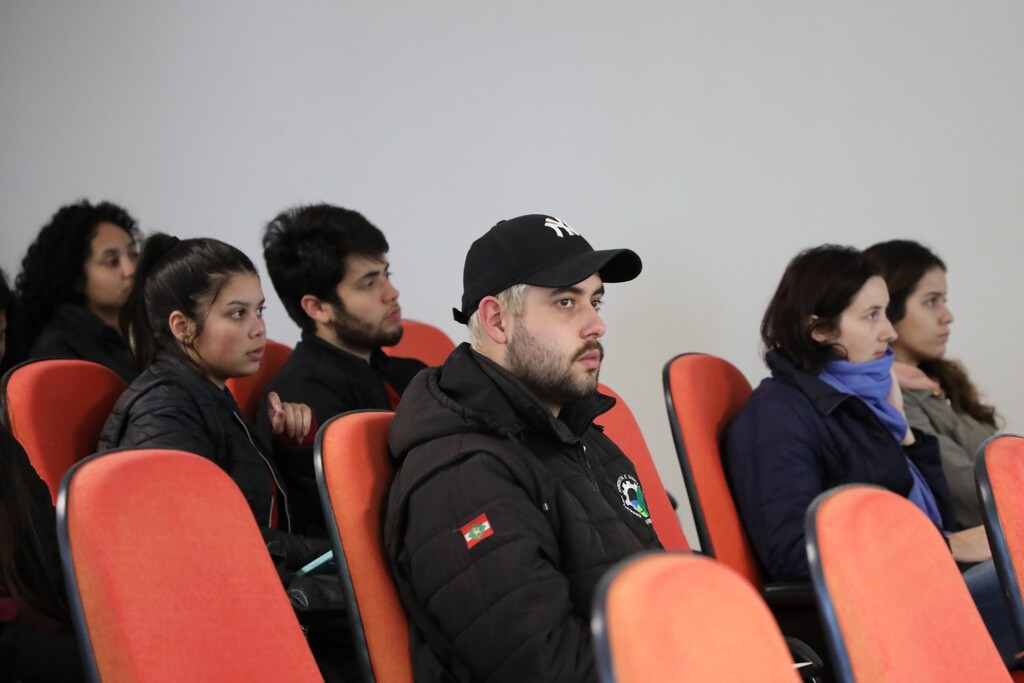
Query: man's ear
494, 320
182, 327
317, 309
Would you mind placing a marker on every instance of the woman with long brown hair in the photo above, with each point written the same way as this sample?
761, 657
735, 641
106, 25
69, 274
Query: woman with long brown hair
938, 396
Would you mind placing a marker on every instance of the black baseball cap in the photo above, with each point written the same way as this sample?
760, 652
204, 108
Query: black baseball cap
536, 250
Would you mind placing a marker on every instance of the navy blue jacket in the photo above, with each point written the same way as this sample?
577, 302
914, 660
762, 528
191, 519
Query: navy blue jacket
797, 437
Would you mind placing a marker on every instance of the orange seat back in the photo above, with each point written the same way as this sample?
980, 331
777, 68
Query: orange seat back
353, 471
249, 391
702, 393
893, 603
423, 342
56, 409
999, 470
683, 617
168, 576
621, 427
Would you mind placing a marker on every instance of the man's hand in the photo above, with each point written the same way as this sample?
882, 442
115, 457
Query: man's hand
294, 419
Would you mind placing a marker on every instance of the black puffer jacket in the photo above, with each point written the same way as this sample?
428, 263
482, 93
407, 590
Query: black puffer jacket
171, 405
512, 603
75, 332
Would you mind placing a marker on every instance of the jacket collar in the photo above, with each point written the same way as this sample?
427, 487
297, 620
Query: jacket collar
76, 316
378, 359
511, 403
824, 397
171, 364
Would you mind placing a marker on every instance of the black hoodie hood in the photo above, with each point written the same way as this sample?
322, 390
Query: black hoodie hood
470, 394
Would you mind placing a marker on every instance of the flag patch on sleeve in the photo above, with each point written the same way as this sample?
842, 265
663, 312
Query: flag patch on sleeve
476, 531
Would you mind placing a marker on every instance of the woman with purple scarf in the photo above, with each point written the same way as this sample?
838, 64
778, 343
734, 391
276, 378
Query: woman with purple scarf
830, 415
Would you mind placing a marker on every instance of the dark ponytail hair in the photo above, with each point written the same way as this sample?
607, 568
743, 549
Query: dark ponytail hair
904, 263
176, 275
818, 282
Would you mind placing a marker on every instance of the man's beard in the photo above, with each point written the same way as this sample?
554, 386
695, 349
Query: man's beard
360, 334
549, 376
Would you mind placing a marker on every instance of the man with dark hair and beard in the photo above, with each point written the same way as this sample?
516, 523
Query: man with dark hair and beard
329, 267
509, 504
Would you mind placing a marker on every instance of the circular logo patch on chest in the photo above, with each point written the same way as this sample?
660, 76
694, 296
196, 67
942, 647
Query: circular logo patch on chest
632, 496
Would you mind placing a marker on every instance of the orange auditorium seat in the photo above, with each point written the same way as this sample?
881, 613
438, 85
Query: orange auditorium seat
1000, 478
168, 576
702, 394
893, 602
423, 342
353, 471
621, 427
682, 617
56, 409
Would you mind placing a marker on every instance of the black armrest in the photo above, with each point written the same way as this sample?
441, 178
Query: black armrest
796, 609
789, 595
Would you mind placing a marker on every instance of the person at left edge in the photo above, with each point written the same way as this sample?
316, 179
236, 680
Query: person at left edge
36, 638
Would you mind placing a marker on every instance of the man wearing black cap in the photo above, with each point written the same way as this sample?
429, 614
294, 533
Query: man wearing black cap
506, 508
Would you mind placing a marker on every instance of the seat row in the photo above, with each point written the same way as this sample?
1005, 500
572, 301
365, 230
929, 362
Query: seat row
892, 606
138, 529
353, 469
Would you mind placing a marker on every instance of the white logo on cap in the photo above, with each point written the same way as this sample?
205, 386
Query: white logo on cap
558, 226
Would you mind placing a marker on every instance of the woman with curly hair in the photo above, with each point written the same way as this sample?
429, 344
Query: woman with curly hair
74, 280
938, 396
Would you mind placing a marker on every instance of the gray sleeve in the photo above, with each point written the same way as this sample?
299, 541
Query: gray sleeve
957, 457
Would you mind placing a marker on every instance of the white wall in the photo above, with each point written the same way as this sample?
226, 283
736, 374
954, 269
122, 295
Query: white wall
715, 139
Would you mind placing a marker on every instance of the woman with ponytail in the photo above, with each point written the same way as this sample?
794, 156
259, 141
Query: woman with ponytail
194, 319
938, 396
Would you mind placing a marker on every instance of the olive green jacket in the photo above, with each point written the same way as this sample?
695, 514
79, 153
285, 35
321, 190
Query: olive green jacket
959, 437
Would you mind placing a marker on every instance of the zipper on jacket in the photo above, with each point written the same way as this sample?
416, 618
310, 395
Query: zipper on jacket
273, 475
590, 470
